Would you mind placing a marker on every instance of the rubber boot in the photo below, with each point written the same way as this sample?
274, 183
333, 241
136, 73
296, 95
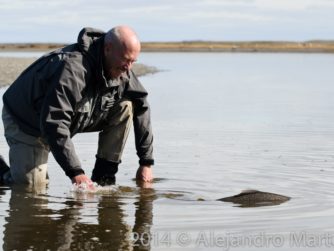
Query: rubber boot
104, 172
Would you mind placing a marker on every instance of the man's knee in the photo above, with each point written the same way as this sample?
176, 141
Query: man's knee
113, 137
35, 176
28, 164
121, 112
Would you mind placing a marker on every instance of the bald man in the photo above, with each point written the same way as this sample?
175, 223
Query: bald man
84, 87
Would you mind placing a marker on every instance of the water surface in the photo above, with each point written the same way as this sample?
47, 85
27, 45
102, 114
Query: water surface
222, 123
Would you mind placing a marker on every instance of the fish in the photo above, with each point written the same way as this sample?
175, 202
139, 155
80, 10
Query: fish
255, 198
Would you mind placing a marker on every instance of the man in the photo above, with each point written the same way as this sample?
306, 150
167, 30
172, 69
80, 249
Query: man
84, 87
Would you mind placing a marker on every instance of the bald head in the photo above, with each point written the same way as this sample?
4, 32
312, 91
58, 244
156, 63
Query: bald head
123, 37
121, 49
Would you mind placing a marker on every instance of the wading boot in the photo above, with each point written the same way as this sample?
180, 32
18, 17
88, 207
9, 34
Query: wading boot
104, 172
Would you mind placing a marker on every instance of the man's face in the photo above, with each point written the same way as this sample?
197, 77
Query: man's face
118, 60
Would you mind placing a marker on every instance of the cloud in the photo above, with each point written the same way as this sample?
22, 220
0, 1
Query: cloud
287, 5
291, 6
61, 20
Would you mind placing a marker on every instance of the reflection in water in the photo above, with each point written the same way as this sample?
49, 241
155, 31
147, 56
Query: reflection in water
144, 218
35, 223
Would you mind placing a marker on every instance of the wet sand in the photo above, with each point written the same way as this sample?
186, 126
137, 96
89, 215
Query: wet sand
11, 67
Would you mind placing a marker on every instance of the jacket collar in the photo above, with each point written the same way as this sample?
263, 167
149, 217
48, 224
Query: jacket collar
125, 77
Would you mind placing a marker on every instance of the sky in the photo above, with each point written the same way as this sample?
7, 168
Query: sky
60, 21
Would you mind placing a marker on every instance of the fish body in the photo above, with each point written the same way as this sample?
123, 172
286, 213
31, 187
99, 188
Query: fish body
255, 198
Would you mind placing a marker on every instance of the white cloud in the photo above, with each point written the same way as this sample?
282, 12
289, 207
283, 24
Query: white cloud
288, 5
227, 16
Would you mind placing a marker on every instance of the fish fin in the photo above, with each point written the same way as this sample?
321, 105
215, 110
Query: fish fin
249, 191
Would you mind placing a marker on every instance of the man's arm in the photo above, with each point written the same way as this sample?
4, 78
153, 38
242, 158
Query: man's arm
142, 127
56, 115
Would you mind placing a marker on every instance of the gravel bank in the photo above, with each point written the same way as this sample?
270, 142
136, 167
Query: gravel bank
11, 67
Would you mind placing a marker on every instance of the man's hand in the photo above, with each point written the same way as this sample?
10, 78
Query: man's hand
144, 173
82, 179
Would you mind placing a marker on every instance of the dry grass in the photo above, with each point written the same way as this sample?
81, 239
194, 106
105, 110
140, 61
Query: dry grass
205, 46
257, 46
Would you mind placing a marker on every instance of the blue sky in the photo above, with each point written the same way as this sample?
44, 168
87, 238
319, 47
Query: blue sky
174, 20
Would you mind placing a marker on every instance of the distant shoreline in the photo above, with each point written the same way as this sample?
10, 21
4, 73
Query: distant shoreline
10, 69
315, 46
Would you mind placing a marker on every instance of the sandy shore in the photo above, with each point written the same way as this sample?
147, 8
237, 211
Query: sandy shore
10, 68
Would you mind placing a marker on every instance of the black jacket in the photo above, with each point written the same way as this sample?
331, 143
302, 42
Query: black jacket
65, 92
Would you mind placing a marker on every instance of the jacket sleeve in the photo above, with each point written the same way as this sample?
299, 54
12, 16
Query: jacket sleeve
141, 120
57, 111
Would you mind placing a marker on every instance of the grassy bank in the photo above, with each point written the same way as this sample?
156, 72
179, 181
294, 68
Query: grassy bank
202, 46
256, 46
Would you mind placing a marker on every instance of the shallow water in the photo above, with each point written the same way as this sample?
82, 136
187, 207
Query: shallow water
223, 123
